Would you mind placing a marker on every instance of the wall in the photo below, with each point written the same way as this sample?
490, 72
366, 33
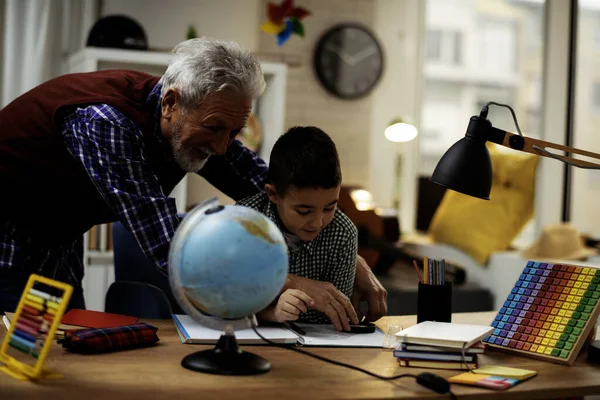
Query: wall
166, 22
307, 103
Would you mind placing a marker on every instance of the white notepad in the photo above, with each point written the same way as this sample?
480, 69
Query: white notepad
447, 334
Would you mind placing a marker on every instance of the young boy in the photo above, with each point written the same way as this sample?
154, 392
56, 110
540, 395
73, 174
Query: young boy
301, 198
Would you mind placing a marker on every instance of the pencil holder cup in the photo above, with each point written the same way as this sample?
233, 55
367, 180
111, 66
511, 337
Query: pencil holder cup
434, 303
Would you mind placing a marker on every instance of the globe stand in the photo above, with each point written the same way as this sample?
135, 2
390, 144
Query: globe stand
226, 359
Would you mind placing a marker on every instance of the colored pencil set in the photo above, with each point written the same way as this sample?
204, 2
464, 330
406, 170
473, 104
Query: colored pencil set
434, 271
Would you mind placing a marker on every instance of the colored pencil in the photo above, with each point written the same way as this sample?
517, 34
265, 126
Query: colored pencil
418, 271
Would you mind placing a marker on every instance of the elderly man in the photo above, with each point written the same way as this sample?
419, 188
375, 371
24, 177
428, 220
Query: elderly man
86, 149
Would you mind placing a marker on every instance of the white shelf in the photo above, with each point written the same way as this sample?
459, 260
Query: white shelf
99, 269
96, 55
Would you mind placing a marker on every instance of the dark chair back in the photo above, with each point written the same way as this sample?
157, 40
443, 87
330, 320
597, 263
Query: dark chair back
429, 197
137, 299
132, 265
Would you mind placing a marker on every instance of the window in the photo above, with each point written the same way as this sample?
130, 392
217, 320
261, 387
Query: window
497, 45
585, 184
481, 40
434, 45
597, 35
535, 92
495, 51
457, 42
444, 47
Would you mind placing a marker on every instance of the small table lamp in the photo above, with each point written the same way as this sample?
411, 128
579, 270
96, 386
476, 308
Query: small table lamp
466, 167
399, 131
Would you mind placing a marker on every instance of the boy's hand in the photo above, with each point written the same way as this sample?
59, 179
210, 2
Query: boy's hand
327, 299
291, 303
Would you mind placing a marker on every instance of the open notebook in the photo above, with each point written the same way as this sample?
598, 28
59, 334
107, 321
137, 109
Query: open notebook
192, 332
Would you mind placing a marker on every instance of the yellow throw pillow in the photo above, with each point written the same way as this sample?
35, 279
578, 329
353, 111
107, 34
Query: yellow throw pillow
481, 227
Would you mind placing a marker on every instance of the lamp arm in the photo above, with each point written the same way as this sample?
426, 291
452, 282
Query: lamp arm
535, 146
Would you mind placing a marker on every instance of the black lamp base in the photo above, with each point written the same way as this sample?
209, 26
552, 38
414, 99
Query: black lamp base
226, 359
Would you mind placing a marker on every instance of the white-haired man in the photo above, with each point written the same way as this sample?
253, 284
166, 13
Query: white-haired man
85, 149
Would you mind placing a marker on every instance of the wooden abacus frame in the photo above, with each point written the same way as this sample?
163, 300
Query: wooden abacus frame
589, 325
20, 370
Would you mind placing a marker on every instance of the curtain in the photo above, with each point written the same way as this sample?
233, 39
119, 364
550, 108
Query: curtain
37, 37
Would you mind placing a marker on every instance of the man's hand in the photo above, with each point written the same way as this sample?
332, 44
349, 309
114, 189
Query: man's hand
327, 299
367, 287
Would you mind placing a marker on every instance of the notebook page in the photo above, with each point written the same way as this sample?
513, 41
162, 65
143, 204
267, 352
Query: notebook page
326, 335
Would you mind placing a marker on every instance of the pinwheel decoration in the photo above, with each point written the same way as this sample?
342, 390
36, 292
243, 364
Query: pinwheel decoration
284, 20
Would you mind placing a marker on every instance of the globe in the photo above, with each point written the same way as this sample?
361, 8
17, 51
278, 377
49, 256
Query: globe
226, 263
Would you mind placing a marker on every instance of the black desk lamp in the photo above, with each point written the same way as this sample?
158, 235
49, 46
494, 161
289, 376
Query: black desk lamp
467, 167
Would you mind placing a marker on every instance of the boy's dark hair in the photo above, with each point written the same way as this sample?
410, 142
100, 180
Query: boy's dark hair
304, 157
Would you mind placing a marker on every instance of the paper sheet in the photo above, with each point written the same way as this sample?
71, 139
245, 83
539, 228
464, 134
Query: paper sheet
326, 335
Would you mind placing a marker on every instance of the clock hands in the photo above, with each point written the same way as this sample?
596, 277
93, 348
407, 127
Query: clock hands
348, 59
354, 59
361, 55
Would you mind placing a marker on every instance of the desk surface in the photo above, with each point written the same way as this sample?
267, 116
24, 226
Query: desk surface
156, 373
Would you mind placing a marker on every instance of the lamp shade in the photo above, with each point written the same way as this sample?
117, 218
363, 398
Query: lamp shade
466, 168
400, 131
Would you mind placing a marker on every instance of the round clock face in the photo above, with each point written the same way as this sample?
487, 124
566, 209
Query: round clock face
348, 61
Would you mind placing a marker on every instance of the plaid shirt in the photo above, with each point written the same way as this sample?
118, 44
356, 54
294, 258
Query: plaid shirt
113, 151
330, 257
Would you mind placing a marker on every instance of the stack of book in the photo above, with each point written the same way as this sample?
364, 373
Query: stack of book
441, 345
423, 356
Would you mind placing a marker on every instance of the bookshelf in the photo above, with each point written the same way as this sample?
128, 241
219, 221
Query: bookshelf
270, 109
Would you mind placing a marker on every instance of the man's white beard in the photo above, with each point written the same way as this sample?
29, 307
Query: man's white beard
184, 157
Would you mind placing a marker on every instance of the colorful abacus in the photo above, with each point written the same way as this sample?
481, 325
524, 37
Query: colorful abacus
34, 326
549, 313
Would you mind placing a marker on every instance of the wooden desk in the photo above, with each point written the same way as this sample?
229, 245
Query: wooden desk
155, 372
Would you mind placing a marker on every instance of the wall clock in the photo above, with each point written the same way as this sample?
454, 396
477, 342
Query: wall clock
348, 61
